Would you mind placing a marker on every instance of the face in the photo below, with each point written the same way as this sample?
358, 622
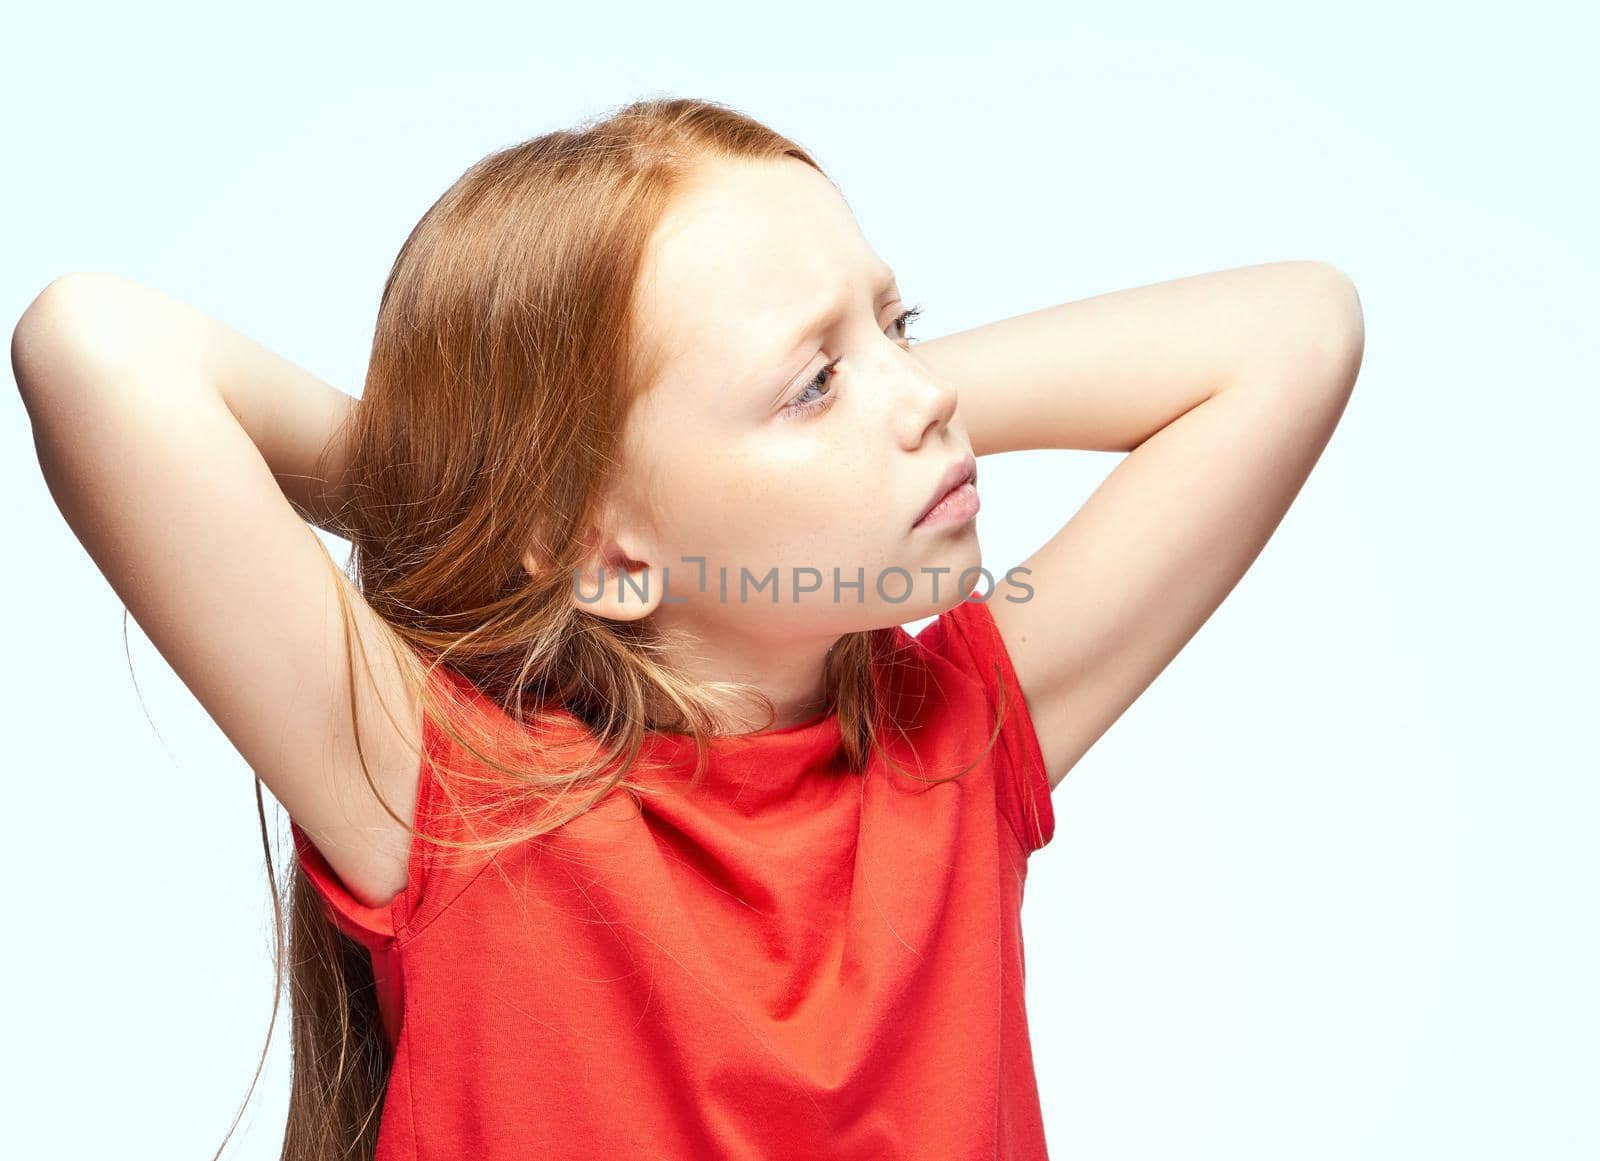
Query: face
790, 428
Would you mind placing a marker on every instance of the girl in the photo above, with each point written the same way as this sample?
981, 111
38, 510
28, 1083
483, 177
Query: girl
629, 821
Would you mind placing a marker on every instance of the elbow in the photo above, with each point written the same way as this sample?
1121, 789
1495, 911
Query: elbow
28, 336
50, 332
1336, 327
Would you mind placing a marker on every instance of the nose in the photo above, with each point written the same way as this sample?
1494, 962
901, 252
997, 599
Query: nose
925, 403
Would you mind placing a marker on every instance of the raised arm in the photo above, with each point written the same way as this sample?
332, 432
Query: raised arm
1223, 388
184, 456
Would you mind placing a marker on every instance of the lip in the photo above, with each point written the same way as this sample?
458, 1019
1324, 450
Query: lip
964, 470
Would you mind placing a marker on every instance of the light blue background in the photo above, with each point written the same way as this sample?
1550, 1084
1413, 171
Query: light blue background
1326, 891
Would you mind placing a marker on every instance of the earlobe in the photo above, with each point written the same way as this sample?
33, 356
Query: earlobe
615, 592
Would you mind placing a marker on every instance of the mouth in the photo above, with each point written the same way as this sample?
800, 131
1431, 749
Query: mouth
955, 496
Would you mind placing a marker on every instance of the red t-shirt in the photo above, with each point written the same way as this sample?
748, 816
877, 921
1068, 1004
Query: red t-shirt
790, 961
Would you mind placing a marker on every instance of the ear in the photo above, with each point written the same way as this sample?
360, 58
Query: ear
613, 582
615, 579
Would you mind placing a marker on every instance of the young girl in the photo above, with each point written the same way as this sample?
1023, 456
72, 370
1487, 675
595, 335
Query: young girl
629, 821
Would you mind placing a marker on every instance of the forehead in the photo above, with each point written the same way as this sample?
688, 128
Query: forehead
746, 251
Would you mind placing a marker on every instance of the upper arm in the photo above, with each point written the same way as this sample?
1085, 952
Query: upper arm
182, 514
1135, 573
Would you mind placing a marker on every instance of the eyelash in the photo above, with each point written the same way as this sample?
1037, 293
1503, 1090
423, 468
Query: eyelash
819, 381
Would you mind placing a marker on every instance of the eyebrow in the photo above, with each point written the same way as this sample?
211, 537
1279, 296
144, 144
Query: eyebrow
887, 284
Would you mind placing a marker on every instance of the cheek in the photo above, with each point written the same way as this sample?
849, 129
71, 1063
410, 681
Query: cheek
708, 505
823, 509
752, 507
806, 484
786, 487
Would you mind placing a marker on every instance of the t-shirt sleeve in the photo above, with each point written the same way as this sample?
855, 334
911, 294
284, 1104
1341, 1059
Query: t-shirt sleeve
374, 927
968, 636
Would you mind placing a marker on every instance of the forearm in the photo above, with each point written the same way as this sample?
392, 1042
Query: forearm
295, 419
1106, 373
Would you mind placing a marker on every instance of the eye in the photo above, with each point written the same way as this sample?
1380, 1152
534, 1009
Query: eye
905, 320
795, 407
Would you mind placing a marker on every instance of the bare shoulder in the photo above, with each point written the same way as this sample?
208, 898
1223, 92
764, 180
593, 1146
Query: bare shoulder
368, 848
